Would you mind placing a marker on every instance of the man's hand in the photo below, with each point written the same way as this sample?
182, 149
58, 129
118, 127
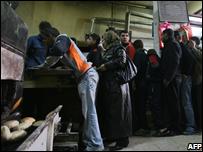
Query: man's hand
165, 83
102, 68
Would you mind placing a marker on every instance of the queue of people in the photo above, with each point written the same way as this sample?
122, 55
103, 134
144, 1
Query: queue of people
170, 85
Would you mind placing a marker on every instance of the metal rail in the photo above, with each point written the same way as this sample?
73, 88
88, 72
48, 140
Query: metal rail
42, 138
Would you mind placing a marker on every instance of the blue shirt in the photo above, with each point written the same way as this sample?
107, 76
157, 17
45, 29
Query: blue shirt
36, 51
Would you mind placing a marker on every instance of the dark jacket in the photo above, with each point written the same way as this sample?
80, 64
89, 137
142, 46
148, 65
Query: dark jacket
170, 60
187, 60
94, 56
140, 61
197, 74
114, 104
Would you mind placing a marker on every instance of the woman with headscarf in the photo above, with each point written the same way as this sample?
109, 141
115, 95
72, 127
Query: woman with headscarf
114, 104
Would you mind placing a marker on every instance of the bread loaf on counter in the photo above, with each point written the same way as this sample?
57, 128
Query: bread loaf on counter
16, 135
11, 123
23, 126
28, 120
5, 133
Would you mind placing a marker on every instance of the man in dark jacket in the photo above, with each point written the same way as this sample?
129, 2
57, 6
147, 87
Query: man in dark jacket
94, 56
140, 120
170, 67
197, 84
187, 66
130, 50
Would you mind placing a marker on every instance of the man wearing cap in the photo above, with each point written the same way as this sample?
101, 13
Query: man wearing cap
87, 79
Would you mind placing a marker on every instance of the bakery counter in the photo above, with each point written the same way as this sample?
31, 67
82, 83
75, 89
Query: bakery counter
49, 78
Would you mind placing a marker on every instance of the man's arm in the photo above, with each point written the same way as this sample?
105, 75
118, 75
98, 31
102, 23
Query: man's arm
60, 47
28, 47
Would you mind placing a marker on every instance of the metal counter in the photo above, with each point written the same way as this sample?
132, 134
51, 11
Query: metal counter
49, 78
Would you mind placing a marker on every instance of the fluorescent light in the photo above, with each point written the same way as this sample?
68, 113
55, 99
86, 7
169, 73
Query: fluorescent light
196, 19
196, 31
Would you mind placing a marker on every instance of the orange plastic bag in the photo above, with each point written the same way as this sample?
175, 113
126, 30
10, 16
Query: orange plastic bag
186, 32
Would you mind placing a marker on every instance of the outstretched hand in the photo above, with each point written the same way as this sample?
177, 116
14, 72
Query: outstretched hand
101, 68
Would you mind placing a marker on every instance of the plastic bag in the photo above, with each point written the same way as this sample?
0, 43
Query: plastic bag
186, 32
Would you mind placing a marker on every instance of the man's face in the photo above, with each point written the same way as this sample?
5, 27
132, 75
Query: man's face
48, 41
191, 44
178, 38
90, 41
164, 37
124, 38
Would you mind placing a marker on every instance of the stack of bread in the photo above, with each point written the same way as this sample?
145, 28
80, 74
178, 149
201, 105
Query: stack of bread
14, 130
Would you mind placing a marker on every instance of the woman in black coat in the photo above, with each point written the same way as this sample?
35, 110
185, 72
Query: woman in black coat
114, 104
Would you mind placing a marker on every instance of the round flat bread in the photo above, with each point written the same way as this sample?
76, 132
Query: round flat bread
5, 133
23, 126
16, 135
38, 123
28, 120
11, 123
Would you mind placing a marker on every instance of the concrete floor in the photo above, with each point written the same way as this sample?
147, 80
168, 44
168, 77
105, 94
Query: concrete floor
176, 143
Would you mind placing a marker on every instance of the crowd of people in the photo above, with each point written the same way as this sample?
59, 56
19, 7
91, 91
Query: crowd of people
169, 86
